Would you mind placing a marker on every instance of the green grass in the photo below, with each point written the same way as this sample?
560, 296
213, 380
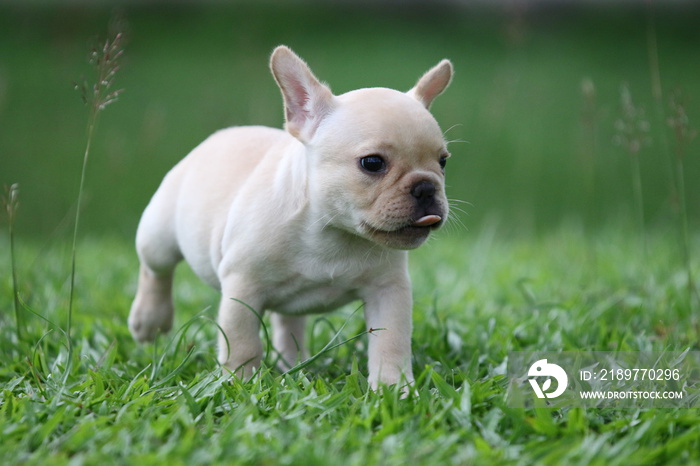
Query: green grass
477, 296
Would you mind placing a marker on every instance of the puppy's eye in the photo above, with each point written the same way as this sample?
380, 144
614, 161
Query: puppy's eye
373, 163
443, 161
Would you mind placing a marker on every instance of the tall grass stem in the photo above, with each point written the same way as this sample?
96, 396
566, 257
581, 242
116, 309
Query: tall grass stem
11, 202
97, 96
74, 248
639, 198
683, 226
633, 134
684, 135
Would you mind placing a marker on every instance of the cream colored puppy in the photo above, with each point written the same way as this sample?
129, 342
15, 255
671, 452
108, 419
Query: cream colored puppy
302, 221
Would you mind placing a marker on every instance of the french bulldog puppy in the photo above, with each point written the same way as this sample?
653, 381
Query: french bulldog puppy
304, 220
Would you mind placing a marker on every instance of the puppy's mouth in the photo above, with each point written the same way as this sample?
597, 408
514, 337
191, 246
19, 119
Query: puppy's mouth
408, 236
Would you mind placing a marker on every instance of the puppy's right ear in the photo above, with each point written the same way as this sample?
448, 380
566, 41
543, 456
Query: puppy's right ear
306, 100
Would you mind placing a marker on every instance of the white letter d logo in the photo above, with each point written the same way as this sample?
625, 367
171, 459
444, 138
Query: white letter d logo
542, 369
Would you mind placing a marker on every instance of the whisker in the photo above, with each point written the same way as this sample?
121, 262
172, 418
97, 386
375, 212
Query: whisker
451, 128
454, 224
459, 209
319, 219
457, 223
369, 252
330, 219
454, 217
453, 221
451, 202
457, 140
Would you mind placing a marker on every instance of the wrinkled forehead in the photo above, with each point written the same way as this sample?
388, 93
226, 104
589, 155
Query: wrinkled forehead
385, 115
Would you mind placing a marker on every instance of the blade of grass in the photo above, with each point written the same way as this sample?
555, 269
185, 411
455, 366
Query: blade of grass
330, 346
11, 201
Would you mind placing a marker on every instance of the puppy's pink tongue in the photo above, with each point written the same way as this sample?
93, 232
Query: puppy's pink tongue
427, 221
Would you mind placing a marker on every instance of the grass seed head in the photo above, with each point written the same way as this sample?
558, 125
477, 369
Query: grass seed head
680, 123
105, 59
11, 201
632, 128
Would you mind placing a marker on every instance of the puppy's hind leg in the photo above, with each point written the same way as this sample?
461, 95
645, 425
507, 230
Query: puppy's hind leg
152, 310
288, 339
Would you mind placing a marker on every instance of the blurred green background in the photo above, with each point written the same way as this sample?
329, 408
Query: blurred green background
535, 98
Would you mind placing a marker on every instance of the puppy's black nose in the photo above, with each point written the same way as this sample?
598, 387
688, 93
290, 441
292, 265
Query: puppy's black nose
423, 191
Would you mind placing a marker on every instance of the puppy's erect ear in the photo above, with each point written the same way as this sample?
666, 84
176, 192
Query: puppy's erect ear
432, 83
306, 100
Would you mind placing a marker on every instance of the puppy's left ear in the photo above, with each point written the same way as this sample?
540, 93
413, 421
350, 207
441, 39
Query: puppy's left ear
432, 83
306, 101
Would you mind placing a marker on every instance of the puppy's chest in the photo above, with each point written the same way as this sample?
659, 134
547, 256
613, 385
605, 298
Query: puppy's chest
310, 289
309, 299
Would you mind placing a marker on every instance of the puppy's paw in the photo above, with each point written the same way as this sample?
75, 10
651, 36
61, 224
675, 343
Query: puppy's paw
405, 387
245, 370
145, 323
390, 377
242, 359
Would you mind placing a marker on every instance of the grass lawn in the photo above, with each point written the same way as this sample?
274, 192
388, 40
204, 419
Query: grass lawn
478, 295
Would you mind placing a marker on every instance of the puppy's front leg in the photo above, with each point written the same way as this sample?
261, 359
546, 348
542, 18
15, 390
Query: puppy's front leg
241, 349
390, 308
